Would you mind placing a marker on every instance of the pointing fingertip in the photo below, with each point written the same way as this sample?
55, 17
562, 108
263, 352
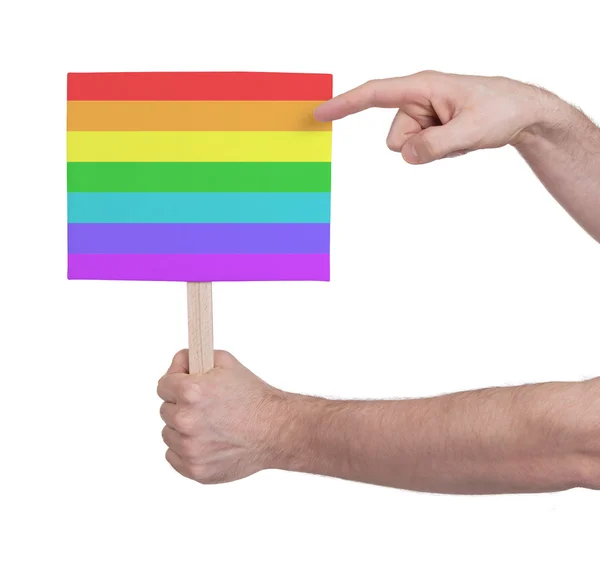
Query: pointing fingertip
319, 114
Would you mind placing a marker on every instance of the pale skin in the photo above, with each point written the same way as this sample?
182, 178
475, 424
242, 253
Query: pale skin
229, 424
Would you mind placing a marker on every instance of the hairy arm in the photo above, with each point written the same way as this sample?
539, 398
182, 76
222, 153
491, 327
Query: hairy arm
228, 424
524, 439
563, 150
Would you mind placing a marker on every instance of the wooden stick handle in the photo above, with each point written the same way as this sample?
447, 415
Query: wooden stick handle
200, 327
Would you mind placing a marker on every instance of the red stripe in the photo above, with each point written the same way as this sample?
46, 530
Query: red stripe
200, 86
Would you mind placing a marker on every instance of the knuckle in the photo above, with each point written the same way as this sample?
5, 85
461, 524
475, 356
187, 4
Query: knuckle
165, 413
172, 459
159, 385
188, 448
181, 354
189, 391
372, 87
199, 473
183, 420
187, 470
429, 78
161, 411
224, 358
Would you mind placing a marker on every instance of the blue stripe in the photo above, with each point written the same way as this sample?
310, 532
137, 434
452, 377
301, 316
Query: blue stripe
198, 207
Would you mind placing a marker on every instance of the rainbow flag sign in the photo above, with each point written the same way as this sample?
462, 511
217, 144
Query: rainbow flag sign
198, 177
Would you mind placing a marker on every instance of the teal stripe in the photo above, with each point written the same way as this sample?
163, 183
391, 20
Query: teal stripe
198, 207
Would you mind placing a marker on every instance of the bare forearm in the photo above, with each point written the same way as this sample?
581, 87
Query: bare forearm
503, 440
563, 150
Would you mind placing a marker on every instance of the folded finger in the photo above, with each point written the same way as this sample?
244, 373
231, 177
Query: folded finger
403, 127
169, 386
184, 420
177, 463
168, 414
172, 439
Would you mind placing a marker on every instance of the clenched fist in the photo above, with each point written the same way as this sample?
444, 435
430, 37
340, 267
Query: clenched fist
220, 426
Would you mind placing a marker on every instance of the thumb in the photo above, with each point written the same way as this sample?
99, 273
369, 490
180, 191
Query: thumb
435, 143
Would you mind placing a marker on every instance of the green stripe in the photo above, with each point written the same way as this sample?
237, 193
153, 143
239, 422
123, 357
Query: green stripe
152, 177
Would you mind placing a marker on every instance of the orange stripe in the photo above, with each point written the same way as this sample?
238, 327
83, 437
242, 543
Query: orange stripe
193, 116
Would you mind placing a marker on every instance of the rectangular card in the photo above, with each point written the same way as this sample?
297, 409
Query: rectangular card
198, 176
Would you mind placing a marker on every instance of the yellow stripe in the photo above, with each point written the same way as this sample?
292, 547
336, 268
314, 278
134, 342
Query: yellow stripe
199, 146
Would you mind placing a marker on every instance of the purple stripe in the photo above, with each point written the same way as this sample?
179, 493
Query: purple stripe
199, 238
199, 268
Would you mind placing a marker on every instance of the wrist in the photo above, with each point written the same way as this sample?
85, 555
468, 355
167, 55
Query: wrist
294, 440
549, 119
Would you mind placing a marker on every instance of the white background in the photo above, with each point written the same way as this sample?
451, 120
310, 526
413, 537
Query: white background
460, 274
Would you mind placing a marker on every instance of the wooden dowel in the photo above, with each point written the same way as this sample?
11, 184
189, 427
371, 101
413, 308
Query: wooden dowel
200, 327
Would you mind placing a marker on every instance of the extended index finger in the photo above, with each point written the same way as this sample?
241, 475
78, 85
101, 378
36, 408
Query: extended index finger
385, 92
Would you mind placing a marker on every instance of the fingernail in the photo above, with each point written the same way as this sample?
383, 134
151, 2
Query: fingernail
411, 154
